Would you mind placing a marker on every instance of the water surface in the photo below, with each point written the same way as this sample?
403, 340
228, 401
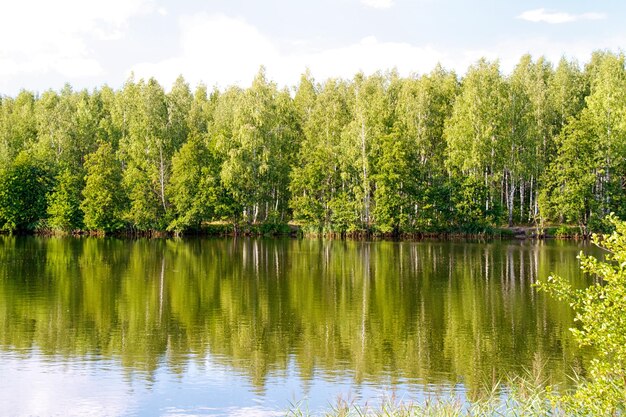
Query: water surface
247, 326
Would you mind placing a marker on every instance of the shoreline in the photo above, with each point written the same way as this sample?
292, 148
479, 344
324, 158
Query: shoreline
561, 232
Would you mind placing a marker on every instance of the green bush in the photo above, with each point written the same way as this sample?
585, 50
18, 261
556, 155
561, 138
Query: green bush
600, 315
23, 194
564, 231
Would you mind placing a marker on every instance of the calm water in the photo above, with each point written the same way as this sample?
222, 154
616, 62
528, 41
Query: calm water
248, 326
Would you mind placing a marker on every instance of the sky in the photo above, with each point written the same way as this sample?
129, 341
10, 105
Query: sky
45, 44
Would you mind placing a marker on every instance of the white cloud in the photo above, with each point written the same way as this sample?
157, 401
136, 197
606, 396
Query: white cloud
378, 4
214, 48
369, 55
41, 36
223, 51
553, 17
220, 50
509, 51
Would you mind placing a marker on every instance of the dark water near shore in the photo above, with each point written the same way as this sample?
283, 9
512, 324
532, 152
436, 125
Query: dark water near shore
248, 326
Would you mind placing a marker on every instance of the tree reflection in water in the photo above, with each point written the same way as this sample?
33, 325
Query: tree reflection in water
434, 313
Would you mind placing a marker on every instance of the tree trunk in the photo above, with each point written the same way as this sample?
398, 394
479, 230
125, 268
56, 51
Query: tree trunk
521, 201
487, 188
162, 178
510, 197
366, 188
530, 198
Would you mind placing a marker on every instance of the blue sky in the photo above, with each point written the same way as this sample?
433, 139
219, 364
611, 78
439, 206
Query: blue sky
222, 42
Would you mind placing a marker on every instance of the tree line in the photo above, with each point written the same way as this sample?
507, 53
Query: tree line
380, 153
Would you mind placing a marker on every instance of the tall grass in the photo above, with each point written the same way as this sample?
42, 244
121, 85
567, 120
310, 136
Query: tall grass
519, 396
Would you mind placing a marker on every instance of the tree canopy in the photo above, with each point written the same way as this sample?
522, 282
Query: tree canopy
377, 153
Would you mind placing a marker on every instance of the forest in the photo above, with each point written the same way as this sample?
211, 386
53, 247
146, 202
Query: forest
382, 154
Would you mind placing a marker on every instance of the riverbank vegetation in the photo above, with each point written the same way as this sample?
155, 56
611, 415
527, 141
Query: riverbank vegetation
434, 153
599, 311
523, 396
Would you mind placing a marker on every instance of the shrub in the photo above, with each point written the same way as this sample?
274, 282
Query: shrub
601, 322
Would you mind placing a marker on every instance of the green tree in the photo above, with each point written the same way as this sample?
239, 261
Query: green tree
105, 102
154, 132
393, 185
18, 126
606, 108
371, 119
477, 133
423, 106
104, 201
468, 212
566, 92
316, 178
64, 212
586, 179
24, 186
200, 115
195, 188
179, 101
527, 114
54, 120
257, 140
305, 97
67, 127
543, 87
568, 192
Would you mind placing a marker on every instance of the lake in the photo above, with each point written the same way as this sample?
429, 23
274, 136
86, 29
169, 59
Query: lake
234, 327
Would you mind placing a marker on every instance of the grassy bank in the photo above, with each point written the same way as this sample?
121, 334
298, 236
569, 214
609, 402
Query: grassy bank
520, 397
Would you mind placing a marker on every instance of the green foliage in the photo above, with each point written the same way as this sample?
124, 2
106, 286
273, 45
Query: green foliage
468, 205
316, 176
586, 179
422, 106
564, 231
566, 93
18, 127
306, 97
373, 154
344, 213
155, 130
195, 188
64, 213
479, 139
571, 178
23, 194
256, 139
67, 125
393, 186
104, 201
476, 132
601, 325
